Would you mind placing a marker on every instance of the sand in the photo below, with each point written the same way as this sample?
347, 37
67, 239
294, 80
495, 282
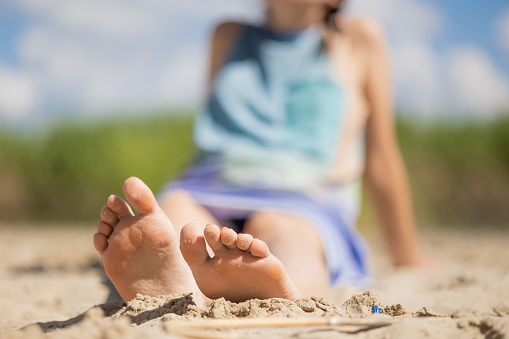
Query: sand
52, 285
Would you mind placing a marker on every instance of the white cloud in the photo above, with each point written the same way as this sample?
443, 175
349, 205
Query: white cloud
17, 93
462, 81
404, 19
502, 31
418, 78
478, 86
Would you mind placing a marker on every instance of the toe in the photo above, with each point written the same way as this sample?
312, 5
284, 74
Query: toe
212, 235
108, 216
139, 196
100, 242
228, 237
119, 206
244, 241
104, 228
192, 245
259, 248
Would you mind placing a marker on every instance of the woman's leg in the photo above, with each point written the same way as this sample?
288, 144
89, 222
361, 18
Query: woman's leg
297, 245
181, 209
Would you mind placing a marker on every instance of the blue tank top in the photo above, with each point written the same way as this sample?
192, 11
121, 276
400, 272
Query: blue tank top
275, 110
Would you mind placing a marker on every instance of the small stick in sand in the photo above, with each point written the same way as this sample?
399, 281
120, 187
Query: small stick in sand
197, 329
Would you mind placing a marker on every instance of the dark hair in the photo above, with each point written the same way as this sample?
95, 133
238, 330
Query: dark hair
330, 17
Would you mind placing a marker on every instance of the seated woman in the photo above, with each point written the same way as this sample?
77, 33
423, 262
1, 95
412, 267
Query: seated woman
299, 113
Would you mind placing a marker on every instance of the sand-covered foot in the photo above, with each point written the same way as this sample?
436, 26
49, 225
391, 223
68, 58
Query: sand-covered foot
141, 252
242, 267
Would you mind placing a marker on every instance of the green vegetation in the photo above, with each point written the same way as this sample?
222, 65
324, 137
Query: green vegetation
459, 172
67, 173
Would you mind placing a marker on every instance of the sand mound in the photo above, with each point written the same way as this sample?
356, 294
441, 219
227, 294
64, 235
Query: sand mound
161, 317
143, 309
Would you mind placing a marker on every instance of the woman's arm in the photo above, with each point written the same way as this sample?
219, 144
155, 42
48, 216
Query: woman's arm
224, 37
385, 174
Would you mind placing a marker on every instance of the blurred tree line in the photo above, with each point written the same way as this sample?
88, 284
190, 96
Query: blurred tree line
459, 171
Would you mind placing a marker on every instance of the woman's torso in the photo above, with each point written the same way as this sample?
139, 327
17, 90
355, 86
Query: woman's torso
287, 110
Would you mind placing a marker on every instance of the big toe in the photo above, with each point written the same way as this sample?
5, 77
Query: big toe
192, 245
139, 195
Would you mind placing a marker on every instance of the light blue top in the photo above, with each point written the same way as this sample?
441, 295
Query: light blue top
275, 111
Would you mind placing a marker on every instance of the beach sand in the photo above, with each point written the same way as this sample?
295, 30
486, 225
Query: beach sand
52, 285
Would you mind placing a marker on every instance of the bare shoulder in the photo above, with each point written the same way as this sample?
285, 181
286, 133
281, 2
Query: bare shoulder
364, 27
364, 32
227, 31
224, 37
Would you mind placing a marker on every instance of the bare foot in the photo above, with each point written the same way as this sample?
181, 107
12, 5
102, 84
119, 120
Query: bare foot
140, 252
241, 269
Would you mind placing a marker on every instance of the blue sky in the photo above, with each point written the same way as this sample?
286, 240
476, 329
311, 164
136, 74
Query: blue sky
87, 58
473, 22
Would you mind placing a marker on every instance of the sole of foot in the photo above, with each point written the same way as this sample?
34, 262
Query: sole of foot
140, 252
242, 268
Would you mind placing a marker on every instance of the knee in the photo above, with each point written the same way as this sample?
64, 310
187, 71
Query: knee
277, 226
175, 197
263, 223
